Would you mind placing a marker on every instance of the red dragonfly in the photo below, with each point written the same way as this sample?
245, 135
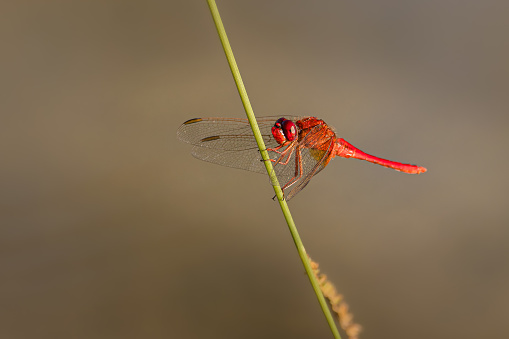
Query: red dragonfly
298, 147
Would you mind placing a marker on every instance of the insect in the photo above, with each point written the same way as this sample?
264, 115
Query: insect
299, 148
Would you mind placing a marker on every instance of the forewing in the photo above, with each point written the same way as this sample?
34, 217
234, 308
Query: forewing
228, 141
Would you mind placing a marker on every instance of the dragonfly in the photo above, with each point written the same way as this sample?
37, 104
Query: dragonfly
298, 147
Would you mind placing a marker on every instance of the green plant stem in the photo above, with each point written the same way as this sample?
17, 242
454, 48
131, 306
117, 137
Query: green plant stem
268, 164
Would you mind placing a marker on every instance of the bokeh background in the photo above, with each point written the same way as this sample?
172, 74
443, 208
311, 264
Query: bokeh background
111, 229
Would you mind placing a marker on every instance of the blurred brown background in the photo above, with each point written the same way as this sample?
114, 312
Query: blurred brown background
110, 229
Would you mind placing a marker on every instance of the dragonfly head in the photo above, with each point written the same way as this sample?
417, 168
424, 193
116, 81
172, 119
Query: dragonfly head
284, 130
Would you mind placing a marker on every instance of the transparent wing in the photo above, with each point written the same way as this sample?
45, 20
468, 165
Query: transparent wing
248, 159
230, 134
229, 141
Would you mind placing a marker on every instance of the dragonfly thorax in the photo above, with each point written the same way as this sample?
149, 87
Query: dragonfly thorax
284, 130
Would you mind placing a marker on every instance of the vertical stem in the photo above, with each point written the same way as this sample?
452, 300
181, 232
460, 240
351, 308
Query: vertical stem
277, 189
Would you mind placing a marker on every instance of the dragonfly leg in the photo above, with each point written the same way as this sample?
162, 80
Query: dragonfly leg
298, 170
284, 154
276, 150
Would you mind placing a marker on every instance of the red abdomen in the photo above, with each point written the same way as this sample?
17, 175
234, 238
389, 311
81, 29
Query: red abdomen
346, 150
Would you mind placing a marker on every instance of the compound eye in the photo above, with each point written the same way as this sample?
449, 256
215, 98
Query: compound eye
279, 122
289, 129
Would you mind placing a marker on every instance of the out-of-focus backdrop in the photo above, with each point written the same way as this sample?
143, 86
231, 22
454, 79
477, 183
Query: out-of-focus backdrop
111, 229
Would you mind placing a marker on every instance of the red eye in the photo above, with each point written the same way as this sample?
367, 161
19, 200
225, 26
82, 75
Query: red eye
284, 130
289, 129
279, 122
